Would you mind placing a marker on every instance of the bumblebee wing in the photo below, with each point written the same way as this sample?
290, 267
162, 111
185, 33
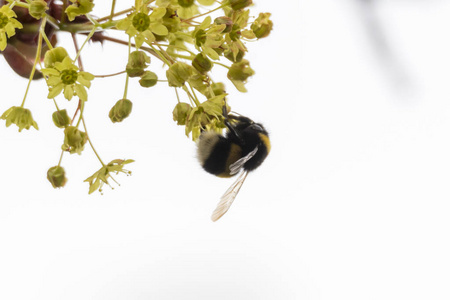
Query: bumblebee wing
237, 166
228, 198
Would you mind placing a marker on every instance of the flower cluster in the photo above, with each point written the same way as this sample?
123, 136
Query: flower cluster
182, 34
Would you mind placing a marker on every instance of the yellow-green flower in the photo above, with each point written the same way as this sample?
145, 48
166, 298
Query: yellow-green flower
208, 37
20, 116
239, 73
99, 178
143, 26
66, 76
8, 25
37, 9
262, 26
79, 8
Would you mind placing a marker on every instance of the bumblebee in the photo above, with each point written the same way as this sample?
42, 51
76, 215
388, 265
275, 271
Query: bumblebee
242, 149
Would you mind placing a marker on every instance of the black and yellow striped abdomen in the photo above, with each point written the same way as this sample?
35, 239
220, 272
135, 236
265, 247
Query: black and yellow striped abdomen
216, 153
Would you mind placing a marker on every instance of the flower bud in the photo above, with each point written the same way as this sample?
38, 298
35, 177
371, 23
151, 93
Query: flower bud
57, 176
79, 8
60, 118
224, 20
149, 79
200, 37
240, 71
218, 88
219, 50
240, 4
137, 62
235, 33
180, 113
121, 110
54, 55
37, 9
201, 63
262, 26
178, 73
74, 140
185, 3
235, 58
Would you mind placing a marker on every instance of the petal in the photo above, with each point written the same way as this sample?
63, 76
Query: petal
10, 30
53, 80
9, 12
2, 41
68, 63
211, 53
86, 75
124, 24
81, 91
50, 72
158, 13
84, 81
68, 92
149, 37
159, 29
55, 91
131, 31
16, 23
139, 40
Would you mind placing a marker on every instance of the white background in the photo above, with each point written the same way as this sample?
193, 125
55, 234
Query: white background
352, 202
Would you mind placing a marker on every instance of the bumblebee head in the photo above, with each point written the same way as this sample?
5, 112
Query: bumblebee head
258, 128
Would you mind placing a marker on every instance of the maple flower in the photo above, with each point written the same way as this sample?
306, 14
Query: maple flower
66, 76
8, 25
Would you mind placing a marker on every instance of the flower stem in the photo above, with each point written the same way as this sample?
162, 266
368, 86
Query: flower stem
81, 112
161, 56
60, 158
125, 92
47, 41
75, 44
54, 101
176, 47
63, 17
90, 142
87, 39
178, 96
197, 102
112, 10
208, 12
149, 50
115, 15
19, 4
76, 112
183, 56
109, 75
37, 58
220, 64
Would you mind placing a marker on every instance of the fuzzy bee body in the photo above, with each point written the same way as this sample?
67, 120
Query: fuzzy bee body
244, 147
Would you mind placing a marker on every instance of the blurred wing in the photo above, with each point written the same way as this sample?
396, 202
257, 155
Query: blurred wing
228, 198
237, 166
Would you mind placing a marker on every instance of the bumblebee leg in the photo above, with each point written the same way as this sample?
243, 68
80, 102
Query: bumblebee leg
228, 124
